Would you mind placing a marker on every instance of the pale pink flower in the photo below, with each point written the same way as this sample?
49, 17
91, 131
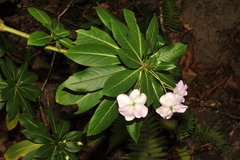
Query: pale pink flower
170, 104
132, 106
180, 91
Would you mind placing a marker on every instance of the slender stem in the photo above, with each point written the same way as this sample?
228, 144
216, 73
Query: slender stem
4, 28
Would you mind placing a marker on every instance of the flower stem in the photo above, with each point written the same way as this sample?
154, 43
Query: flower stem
4, 28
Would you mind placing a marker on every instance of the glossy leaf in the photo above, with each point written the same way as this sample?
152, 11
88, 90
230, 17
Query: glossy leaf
9, 69
21, 149
138, 42
93, 55
66, 42
134, 130
146, 86
128, 58
37, 135
26, 107
61, 33
166, 66
92, 78
105, 114
71, 147
152, 33
88, 101
167, 79
105, 16
30, 92
12, 123
126, 39
53, 120
171, 53
39, 38
67, 97
64, 124
12, 106
8, 93
157, 93
160, 43
28, 122
72, 136
21, 71
41, 16
45, 151
28, 78
95, 36
120, 82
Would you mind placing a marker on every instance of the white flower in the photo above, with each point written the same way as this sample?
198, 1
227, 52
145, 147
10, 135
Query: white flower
133, 105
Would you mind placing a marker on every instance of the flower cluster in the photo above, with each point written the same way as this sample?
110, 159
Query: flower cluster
133, 106
172, 102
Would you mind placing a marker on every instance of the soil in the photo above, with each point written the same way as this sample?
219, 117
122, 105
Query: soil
210, 66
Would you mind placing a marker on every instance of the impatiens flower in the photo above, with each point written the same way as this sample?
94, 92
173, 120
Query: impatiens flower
170, 104
133, 105
180, 91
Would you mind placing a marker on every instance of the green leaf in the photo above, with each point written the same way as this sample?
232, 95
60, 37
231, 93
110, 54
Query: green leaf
71, 147
67, 97
93, 55
37, 135
171, 53
45, 151
66, 42
91, 79
30, 92
88, 101
8, 93
28, 122
160, 43
134, 130
60, 33
53, 120
146, 86
126, 39
12, 106
41, 16
28, 78
120, 82
166, 66
20, 149
167, 79
139, 43
105, 16
64, 124
39, 38
25, 105
57, 25
152, 33
105, 114
95, 36
157, 93
12, 123
9, 69
72, 136
128, 59
20, 72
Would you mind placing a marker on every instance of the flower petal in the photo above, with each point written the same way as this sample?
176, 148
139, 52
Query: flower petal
134, 94
180, 108
127, 112
169, 99
140, 111
124, 100
141, 99
164, 112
